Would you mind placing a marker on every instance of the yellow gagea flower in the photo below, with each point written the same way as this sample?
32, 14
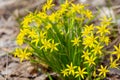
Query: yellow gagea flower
81, 72
103, 70
71, 69
48, 5
76, 41
23, 54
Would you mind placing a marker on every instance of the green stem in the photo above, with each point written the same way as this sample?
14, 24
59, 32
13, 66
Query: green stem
75, 54
79, 78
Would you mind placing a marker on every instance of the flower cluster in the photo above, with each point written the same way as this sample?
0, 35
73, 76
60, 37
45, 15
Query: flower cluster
71, 70
67, 41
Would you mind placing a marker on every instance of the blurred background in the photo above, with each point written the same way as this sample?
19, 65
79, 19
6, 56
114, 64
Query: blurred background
12, 13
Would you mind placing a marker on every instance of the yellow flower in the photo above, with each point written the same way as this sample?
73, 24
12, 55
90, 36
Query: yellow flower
85, 54
64, 72
27, 20
88, 14
90, 27
90, 60
16, 52
21, 35
53, 46
24, 31
77, 7
42, 35
94, 73
87, 30
113, 64
89, 41
32, 34
42, 15
71, 68
105, 39
35, 40
76, 41
20, 39
97, 49
66, 4
37, 22
103, 71
53, 17
22, 54
46, 44
105, 21
117, 52
61, 11
48, 5
80, 72
103, 30
48, 26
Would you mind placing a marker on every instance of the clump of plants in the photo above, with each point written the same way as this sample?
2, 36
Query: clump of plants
67, 41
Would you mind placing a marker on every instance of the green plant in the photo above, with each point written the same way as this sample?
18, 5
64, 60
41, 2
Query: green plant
67, 41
